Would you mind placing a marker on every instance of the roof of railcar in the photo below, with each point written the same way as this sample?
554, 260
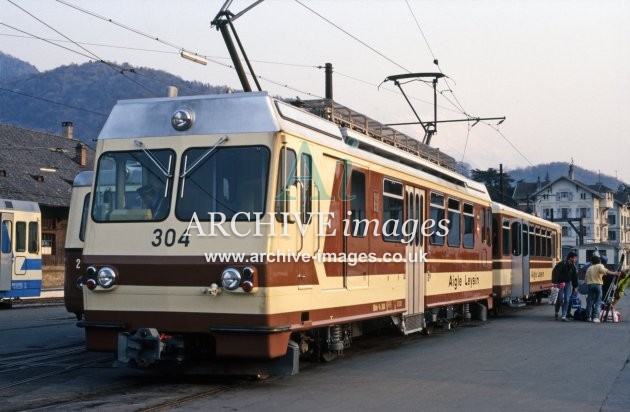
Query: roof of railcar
10, 205
257, 112
501, 208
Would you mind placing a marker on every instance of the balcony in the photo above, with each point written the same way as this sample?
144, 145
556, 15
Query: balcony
606, 203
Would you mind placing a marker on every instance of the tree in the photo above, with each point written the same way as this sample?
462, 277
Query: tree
492, 179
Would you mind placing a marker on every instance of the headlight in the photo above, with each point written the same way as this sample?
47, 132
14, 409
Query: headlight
106, 277
79, 282
230, 279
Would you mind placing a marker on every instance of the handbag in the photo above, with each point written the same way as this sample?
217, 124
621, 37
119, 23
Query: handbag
553, 295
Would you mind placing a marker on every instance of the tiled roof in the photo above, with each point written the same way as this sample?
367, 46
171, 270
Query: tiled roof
38, 166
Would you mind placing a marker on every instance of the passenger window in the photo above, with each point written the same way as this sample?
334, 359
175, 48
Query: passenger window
6, 236
84, 215
392, 210
454, 224
357, 204
306, 180
516, 239
286, 177
436, 212
33, 237
506, 238
20, 236
469, 226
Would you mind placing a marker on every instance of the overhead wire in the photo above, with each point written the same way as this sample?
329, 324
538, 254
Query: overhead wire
214, 60
456, 102
52, 101
351, 35
115, 67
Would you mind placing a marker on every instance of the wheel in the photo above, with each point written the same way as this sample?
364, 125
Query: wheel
328, 356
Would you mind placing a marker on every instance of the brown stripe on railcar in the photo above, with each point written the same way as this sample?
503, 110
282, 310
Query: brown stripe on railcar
458, 297
501, 264
195, 271
463, 266
245, 335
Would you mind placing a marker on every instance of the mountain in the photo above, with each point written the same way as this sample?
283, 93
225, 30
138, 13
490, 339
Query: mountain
12, 67
555, 170
83, 94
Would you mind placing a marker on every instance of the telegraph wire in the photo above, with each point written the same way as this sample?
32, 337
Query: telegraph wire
53, 29
456, 103
422, 33
122, 71
52, 101
47, 41
350, 35
124, 26
93, 56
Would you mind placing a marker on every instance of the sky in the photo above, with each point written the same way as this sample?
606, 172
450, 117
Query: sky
559, 71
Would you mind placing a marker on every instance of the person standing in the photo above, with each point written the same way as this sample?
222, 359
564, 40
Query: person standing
594, 281
565, 278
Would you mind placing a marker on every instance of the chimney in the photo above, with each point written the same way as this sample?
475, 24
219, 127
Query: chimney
66, 129
329, 81
171, 91
80, 154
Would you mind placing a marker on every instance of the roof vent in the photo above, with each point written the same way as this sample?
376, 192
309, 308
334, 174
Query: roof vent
38, 178
3, 173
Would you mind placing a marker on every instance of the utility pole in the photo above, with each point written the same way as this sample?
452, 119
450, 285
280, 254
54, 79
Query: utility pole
501, 182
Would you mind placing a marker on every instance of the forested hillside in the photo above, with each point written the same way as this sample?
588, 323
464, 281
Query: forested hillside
555, 170
83, 94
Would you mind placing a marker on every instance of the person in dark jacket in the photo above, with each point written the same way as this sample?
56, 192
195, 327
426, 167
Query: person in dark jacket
565, 278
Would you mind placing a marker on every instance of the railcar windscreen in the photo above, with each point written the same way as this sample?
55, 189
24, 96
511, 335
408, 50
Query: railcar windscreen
232, 183
133, 186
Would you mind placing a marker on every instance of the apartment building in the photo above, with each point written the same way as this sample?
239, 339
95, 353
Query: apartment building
593, 217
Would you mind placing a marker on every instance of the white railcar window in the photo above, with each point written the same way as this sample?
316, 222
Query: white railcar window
20, 236
6, 236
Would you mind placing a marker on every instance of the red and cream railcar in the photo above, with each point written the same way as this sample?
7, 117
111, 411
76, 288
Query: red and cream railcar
241, 227
525, 250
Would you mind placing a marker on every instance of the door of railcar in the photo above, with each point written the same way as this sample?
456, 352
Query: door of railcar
518, 275
6, 251
526, 262
415, 259
357, 242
